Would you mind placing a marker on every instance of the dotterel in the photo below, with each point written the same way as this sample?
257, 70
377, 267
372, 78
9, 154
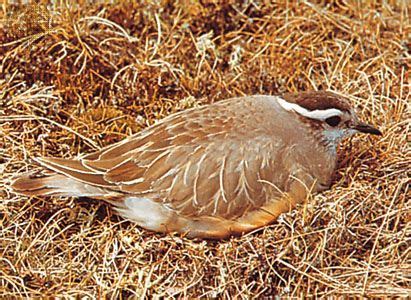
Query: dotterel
216, 170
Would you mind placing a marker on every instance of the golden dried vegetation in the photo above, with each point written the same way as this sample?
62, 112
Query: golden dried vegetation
75, 77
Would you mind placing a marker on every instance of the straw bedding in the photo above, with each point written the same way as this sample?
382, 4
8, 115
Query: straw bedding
76, 77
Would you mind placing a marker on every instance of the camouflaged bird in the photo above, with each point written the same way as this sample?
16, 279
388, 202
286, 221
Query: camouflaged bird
216, 170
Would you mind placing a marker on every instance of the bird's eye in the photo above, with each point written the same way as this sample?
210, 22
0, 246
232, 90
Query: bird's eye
333, 121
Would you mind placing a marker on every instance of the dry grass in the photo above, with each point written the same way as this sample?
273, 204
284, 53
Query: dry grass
76, 77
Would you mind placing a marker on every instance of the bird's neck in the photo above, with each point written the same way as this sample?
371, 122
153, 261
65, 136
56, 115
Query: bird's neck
330, 139
329, 143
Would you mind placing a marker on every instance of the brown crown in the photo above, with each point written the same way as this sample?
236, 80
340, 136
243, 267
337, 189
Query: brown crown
318, 100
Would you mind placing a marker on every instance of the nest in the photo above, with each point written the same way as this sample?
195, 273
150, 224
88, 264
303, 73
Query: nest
76, 77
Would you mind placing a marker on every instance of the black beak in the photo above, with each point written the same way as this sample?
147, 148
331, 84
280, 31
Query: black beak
365, 128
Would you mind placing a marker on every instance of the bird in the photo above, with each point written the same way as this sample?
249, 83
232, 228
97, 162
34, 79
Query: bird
213, 171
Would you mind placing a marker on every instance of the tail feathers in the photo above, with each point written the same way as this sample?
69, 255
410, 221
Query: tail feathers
54, 184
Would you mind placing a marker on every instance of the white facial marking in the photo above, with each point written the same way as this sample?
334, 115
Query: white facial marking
336, 135
314, 114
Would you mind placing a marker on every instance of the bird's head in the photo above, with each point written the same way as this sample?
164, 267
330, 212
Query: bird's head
329, 115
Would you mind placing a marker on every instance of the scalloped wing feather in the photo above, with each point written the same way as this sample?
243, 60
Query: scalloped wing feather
209, 161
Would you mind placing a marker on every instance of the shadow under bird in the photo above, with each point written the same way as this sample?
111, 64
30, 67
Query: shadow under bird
213, 171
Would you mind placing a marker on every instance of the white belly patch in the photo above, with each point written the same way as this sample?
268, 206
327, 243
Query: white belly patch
145, 212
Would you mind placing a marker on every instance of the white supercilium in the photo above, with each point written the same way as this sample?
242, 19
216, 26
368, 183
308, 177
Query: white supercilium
314, 114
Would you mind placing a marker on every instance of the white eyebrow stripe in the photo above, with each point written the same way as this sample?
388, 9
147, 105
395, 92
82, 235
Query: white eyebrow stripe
314, 114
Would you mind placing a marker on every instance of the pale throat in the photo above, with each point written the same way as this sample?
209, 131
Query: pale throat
332, 137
